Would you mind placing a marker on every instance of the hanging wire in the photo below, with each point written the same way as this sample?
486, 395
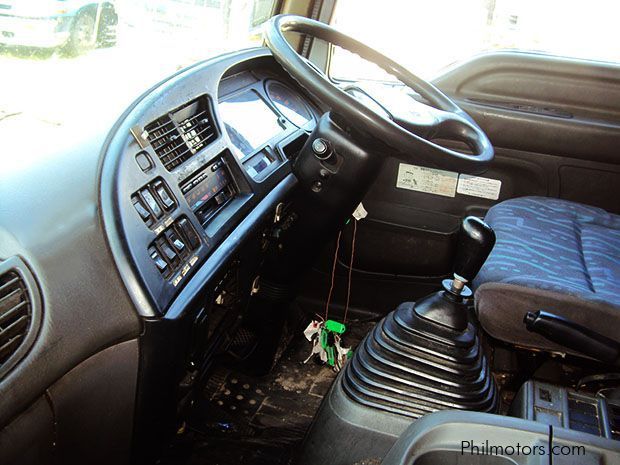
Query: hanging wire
346, 308
331, 288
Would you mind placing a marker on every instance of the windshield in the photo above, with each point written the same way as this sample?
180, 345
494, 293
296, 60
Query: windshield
426, 36
71, 63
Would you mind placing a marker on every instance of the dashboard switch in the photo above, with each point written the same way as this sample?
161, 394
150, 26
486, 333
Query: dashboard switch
320, 147
174, 239
178, 244
164, 196
190, 234
152, 203
142, 211
159, 262
144, 161
323, 151
168, 252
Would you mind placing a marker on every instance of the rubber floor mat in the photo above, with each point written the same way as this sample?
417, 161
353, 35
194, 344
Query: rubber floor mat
242, 419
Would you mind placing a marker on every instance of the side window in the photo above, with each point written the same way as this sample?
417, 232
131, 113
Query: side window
261, 12
428, 35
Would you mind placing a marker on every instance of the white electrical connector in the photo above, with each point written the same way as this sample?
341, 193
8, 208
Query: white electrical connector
360, 212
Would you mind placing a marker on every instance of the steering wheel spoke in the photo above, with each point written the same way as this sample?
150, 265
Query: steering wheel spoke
409, 132
422, 120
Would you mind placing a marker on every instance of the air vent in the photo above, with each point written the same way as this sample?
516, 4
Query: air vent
15, 313
167, 142
19, 312
197, 126
180, 134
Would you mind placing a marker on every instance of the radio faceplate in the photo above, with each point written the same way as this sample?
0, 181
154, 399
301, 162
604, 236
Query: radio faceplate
208, 190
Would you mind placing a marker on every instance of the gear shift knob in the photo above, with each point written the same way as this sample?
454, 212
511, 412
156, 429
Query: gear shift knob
475, 242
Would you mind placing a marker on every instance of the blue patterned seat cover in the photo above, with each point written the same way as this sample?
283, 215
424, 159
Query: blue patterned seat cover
555, 245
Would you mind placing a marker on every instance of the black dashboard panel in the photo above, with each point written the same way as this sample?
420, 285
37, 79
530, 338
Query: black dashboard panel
190, 161
49, 218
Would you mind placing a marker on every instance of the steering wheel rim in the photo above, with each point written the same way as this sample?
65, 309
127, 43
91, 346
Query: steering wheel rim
450, 118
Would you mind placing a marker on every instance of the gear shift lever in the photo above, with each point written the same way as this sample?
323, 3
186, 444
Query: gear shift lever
447, 307
475, 242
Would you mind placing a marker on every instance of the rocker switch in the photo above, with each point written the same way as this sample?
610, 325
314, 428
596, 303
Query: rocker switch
164, 196
159, 262
152, 203
142, 211
168, 252
177, 243
190, 234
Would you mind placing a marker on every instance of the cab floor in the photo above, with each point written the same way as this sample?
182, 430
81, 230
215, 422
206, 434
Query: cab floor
257, 420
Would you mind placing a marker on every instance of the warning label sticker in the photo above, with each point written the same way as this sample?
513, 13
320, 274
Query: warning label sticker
429, 180
476, 186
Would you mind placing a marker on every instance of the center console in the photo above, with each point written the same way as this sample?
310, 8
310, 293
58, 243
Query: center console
473, 438
568, 408
420, 386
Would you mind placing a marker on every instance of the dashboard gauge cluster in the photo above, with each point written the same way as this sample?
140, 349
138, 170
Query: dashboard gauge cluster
251, 122
258, 116
289, 103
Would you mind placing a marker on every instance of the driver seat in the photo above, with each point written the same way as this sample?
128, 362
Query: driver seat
551, 255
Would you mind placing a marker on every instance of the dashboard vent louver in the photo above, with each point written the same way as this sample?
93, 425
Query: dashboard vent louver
168, 144
180, 134
20, 312
197, 126
15, 314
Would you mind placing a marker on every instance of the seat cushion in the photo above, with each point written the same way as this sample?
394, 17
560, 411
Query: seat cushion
553, 255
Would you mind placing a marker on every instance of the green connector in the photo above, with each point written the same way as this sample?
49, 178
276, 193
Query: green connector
329, 349
335, 327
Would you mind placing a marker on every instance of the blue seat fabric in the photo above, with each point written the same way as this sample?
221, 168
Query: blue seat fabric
555, 253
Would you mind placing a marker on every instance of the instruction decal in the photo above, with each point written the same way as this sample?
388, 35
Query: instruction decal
429, 180
477, 186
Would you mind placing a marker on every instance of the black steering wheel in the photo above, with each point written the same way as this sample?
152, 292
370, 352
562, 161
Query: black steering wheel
441, 119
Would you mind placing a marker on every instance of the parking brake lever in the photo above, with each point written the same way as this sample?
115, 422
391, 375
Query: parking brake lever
573, 336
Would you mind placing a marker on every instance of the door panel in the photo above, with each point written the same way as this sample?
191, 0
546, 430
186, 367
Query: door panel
597, 185
564, 113
542, 104
555, 126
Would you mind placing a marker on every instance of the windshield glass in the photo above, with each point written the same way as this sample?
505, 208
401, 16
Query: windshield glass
72, 62
426, 36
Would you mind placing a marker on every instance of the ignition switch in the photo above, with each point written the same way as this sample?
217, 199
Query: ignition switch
323, 151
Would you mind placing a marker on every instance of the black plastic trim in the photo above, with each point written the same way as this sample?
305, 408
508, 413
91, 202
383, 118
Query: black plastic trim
145, 108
